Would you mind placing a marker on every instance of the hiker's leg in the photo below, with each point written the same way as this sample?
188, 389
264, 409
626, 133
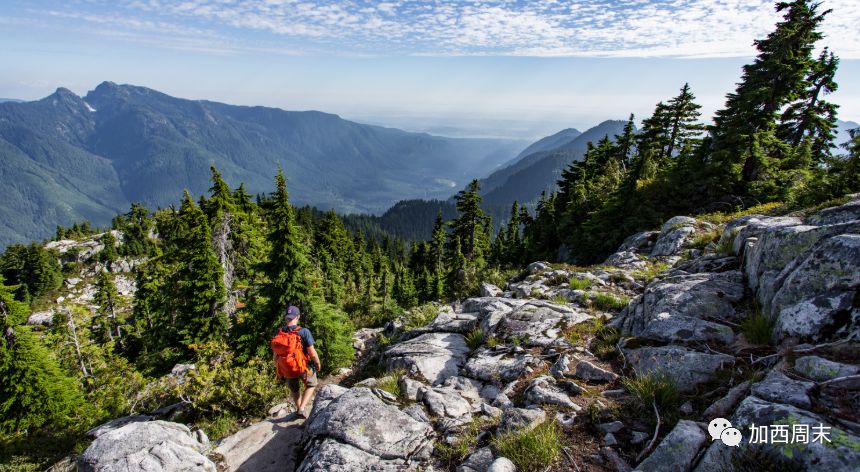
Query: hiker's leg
307, 396
294, 391
311, 382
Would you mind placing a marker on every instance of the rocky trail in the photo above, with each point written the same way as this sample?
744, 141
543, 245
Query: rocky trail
755, 321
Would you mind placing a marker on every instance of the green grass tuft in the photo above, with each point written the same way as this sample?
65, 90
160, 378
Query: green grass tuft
607, 301
454, 454
579, 284
655, 388
391, 383
531, 450
758, 328
475, 338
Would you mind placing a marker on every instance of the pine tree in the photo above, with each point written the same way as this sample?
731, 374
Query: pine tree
683, 115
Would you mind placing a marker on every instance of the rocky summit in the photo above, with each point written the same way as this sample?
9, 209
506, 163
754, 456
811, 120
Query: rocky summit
627, 363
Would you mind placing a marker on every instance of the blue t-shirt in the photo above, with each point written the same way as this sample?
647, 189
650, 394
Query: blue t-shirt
304, 333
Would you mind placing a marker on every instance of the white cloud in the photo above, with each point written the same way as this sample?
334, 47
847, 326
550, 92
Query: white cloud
630, 28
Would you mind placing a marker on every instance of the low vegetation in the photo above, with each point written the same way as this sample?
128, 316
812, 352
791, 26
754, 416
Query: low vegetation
607, 301
655, 390
475, 338
531, 450
454, 454
579, 284
758, 328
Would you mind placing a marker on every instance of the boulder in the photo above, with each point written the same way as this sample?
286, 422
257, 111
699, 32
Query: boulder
639, 242
478, 461
490, 366
840, 214
334, 456
502, 464
587, 371
686, 368
444, 401
410, 387
115, 424
266, 446
521, 418
543, 391
434, 356
842, 453
539, 322
364, 338
626, 260
146, 446
490, 290
677, 450
41, 318
674, 234
491, 310
686, 309
538, 267
819, 369
816, 299
358, 418
450, 322
776, 387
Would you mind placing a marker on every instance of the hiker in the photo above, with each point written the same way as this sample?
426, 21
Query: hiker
293, 346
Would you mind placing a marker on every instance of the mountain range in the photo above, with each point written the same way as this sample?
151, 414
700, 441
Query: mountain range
67, 158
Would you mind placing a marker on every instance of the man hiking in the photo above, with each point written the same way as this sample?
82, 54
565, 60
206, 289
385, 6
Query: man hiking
293, 347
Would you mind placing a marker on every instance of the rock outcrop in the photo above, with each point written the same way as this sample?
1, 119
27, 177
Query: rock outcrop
147, 446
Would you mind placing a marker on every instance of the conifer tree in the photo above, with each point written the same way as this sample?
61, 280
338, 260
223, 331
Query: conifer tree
199, 280
469, 226
743, 146
34, 391
286, 270
109, 254
106, 297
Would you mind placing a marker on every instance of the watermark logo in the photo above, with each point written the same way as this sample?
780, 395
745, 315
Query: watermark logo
721, 428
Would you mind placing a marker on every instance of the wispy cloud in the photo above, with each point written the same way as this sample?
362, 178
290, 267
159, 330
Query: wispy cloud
612, 28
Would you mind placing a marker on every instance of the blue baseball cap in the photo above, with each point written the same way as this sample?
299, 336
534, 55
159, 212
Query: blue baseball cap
291, 313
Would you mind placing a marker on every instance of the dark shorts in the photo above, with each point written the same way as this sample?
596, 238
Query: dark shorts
309, 379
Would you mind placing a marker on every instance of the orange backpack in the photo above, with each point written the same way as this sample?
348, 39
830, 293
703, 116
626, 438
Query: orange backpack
290, 358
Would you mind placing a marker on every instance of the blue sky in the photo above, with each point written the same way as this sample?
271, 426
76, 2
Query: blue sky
506, 68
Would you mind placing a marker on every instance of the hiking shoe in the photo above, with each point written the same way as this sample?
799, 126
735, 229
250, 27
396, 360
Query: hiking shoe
302, 414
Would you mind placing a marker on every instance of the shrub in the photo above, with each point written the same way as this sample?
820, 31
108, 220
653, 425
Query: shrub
607, 301
219, 386
703, 239
531, 450
475, 338
420, 316
758, 328
579, 284
719, 218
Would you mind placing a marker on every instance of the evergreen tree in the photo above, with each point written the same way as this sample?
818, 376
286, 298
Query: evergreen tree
108, 326
742, 143
469, 226
199, 281
109, 254
34, 391
286, 270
